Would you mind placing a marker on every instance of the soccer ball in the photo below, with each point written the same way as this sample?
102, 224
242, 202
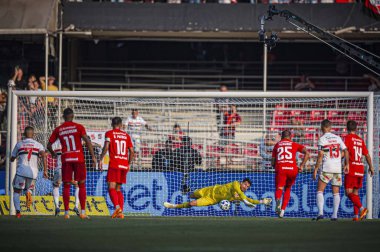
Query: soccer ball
225, 205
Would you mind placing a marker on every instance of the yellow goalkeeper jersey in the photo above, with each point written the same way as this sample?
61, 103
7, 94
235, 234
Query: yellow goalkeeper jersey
230, 191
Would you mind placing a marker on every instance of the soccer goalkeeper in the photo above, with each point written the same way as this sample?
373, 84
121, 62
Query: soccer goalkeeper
211, 195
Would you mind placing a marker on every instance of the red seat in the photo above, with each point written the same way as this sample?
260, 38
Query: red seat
311, 134
300, 115
232, 149
252, 150
358, 116
144, 150
213, 151
336, 117
157, 147
317, 116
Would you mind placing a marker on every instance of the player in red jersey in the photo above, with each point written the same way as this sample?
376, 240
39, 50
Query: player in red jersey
70, 135
120, 147
353, 181
284, 161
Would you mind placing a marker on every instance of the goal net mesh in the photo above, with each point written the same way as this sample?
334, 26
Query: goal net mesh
232, 147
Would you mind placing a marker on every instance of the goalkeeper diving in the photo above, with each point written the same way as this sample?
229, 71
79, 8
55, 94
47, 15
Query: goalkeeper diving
212, 195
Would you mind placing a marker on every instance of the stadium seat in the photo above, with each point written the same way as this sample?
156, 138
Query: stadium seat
251, 150
213, 151
358, 116
157, 147
300, 115
144, 150
311, 134
336, 117
316, 116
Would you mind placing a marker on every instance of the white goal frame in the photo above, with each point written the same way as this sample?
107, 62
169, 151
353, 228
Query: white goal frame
11, 171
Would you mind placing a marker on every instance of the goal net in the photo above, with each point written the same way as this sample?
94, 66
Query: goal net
233, 134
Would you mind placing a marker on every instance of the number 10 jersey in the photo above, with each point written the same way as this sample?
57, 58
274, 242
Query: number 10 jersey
119, 144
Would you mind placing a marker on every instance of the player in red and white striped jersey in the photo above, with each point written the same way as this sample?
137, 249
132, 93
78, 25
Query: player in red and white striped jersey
330, 147
70, 135
353, 181
285, 163
27, 153
119, 145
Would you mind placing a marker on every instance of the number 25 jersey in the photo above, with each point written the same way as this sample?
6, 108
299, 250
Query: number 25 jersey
331, 145
285, 154
120, 142
70, 135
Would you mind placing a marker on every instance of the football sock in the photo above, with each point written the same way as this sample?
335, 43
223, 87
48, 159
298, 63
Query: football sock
16, 201
356, 210
355, 200
56, 196
286, 198
183, 205
114, 197
66, 196
282, 213
320, 202
82, 196
121, 199
336, 205
278, 194
76, 196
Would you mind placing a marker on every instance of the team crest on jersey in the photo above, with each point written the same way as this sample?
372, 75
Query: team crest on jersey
236, 195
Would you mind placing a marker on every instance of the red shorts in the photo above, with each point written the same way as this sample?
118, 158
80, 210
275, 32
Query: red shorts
79, 170
118, 176
286, 177
351, 182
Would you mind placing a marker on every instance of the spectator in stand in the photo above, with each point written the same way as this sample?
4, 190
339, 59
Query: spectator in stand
18, 78
3, 108
163, 159
221, 108
185, 160
374, 83
231, 120
305, 84
134, 126
52, 102
297, 130
176, 136
266, 147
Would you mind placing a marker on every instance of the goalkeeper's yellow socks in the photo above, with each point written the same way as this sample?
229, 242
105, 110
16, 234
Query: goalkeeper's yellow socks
183, 205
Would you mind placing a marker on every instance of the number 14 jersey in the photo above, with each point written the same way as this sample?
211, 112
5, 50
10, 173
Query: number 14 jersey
356, 150
120, 142
331, 145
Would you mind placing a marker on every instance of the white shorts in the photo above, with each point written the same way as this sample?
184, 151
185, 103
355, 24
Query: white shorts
334, 178
57, 177
22, 183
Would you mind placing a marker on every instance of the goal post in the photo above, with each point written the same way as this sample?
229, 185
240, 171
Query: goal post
264, 115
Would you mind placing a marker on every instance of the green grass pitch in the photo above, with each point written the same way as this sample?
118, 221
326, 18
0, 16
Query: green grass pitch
47, 233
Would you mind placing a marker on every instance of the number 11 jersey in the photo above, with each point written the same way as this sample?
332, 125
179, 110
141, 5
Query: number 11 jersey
120, 142
331, 145
70, 136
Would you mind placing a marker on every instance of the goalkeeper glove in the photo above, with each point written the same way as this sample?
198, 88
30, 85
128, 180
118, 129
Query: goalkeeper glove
266, 201
249, 203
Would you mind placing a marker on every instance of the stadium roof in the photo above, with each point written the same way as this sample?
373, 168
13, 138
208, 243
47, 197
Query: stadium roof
210, 21
19, 17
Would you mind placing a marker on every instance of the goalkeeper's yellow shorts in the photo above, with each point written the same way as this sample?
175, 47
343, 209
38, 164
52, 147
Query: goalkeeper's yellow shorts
203, 197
